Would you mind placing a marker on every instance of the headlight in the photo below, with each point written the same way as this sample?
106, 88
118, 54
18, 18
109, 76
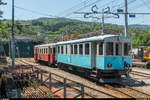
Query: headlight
126, 65
109, 65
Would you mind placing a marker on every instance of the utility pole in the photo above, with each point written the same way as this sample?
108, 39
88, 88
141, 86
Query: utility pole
102, 22
12, 38
126, 18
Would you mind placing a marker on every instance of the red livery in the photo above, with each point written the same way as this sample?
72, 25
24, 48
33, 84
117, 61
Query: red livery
45, 53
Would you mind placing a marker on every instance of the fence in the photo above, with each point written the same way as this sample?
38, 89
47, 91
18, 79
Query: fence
39, 75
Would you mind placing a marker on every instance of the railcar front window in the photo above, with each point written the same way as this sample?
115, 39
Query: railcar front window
109, 49
101, 48
87, 49
127, 48
118, 49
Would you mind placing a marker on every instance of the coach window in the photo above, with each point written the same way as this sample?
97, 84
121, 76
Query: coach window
81, 49
46, 51
127, 48
62, 49
109, 49
87, 49
75, 49
71, 49
100, 48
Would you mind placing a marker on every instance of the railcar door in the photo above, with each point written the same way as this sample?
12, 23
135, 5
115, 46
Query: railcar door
93, 54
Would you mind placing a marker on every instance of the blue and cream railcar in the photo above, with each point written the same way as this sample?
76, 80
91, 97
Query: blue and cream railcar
102, 56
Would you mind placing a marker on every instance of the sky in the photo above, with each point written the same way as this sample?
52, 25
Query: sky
33, 9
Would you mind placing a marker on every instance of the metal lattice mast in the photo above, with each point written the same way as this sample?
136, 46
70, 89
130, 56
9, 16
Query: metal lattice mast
12, 38
126, 18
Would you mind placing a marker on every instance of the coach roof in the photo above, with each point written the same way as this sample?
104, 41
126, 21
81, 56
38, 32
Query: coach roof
95, 38
45, 45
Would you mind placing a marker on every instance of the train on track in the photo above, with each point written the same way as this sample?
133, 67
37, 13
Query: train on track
101, 57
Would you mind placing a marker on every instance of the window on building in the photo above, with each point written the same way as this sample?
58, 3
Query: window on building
62, 50
127, 48
75, 49
71, 49
109, 48
87, 49
101, 48
81, 49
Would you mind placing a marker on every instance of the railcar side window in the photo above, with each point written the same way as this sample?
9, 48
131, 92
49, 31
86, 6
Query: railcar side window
87, 49
109, 48
58, 50
127, 48
62, 49
66, 49
101, 48
75, 49
71, 49
81, 49
118, 49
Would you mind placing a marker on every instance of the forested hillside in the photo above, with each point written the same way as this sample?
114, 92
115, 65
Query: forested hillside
52, 29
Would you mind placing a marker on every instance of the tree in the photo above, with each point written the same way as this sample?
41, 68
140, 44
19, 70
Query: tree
2, 3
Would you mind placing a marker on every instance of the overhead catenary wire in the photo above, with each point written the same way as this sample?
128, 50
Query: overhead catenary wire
74, 7
69, 14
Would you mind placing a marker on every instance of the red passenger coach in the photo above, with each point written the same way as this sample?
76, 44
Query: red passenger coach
45, 53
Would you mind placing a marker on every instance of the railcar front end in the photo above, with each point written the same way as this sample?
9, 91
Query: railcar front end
114, 59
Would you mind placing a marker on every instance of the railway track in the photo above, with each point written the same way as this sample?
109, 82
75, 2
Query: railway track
97, 93
140, 74
122, 92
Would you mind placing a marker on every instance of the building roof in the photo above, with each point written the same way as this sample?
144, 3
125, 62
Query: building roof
25, 38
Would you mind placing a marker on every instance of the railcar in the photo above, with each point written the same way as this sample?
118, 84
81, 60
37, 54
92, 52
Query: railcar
45, 53
101, 57
105, 56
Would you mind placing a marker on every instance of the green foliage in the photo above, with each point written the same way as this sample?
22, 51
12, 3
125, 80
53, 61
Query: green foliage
52, 29
1, 3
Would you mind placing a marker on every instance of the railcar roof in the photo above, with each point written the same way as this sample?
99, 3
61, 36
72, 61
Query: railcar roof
45, 45
95, 38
